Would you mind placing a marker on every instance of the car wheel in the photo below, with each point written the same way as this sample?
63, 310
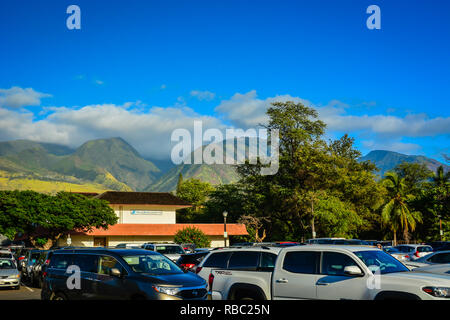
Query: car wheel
17, 287
59, 296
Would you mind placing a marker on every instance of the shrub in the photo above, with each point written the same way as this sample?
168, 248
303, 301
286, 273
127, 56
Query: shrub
192, 235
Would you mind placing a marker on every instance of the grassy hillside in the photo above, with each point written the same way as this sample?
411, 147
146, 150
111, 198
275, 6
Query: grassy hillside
214, 174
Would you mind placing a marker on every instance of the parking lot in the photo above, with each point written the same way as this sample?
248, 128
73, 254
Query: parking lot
25, 293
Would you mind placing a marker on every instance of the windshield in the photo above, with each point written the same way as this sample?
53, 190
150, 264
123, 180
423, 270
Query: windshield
391, 250
154, 264
7, 264
170, 249
379, 261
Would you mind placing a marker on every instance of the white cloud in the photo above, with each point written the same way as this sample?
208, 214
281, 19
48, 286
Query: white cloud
203, 95
17, 97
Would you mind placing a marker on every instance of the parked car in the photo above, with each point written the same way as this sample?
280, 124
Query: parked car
189, 261
329, 272
397, 254
9, 275
36, 277
414, 251
6, 254
129, 245
188, 247
30, 260
322, 240
172, 251
119, 274
229, 258
439, 257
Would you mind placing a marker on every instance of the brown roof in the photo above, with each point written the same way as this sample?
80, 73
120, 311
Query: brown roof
87, 194
152, 198
134, 229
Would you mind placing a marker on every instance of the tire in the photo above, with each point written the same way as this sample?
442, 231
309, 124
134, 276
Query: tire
17, 287
59, 296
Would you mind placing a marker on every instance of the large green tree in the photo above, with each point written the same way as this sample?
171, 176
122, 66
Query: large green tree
195, 192
45, 218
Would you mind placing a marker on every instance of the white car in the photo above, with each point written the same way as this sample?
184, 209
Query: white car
329, 272
438, 269
6, 254
172, 251
414, 251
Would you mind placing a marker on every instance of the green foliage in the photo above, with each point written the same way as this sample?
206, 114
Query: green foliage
43, 216
192, 235
415, 175
195, 192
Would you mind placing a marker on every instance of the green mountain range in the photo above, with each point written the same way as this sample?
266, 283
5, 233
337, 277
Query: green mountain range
388, 160
113, 164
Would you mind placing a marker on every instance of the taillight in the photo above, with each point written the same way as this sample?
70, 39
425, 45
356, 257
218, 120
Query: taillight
21, 258
210, 280
47, 262
417, 254
407, 256
187, 265
198, 269
44, 274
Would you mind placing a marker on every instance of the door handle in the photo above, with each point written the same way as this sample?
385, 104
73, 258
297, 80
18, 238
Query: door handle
322, 283
282, 280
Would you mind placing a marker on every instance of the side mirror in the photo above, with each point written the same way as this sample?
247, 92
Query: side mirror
353, 271
115, 272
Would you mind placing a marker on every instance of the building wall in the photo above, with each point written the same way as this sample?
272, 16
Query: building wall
112, 241
144, 214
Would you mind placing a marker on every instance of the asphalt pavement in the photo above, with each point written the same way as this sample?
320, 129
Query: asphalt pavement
25, 293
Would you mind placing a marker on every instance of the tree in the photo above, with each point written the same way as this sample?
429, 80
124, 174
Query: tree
415, 175
45, 218
195, 192
310, 170
179, 183
192, 235
254, 225
396, 212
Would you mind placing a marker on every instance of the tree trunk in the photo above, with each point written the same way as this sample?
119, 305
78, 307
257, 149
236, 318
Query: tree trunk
406, 236
395, 238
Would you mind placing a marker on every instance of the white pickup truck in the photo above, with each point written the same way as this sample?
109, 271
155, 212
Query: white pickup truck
329, 272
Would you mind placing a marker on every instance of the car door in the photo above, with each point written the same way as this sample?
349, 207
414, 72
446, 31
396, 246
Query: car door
106, 286
295, 275
334, 284
440, 257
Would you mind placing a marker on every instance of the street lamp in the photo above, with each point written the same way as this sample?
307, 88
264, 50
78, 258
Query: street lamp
225, 235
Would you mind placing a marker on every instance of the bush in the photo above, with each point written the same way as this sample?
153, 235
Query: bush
192, 235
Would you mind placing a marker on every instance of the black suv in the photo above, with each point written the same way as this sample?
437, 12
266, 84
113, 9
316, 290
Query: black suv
117, 274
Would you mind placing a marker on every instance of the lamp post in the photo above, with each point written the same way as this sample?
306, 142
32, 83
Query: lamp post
225, 235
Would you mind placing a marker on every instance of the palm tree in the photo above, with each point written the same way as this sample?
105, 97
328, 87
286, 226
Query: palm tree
441, 179
396, 212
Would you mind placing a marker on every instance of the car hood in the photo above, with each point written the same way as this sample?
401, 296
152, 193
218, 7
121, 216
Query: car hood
416, 264
188, 279
417, 276
8, 272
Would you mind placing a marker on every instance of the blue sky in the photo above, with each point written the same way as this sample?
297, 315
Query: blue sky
139, 69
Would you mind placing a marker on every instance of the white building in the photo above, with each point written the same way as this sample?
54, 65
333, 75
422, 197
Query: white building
146, 217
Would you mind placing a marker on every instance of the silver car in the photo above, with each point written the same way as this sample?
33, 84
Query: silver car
434, 258
170, 250
9, 275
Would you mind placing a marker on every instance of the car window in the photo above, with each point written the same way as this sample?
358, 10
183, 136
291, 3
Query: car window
7, 264
87, 262
60, 261
5, 255
244, 259
268, 261
154, 264
217, 260
170, 249
380, 261
425, 249
301, 262
440, 258
334, 263
405, 248
106, 263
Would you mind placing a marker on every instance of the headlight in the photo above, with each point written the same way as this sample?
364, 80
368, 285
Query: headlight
440, 292
171, 291
14, 276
